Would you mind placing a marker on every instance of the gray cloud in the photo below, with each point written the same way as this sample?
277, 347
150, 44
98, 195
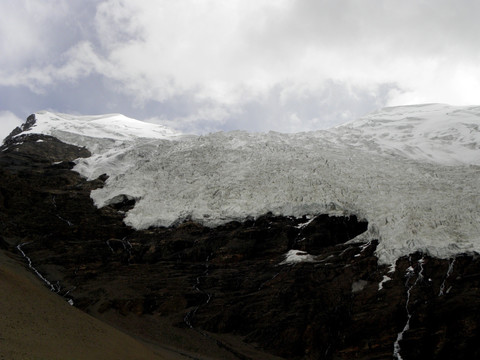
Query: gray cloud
287, 65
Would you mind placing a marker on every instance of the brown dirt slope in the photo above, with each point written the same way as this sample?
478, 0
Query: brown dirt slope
37, 324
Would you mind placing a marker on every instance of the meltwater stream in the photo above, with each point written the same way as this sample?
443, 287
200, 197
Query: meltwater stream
189, 316
56, 288
410, 273
188, 319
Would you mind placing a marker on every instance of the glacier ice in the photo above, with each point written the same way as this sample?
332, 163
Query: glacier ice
412, 172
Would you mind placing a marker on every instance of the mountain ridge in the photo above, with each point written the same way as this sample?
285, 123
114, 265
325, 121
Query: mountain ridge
268, 286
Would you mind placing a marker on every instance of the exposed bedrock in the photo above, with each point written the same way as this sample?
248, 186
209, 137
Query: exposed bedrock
331, 300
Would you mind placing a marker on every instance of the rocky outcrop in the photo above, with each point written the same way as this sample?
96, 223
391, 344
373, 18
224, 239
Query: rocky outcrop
232, 282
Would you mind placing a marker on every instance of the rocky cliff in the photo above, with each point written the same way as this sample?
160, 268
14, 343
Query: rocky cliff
230, 292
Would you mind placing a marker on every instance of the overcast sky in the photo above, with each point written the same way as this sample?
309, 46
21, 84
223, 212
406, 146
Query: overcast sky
257, 65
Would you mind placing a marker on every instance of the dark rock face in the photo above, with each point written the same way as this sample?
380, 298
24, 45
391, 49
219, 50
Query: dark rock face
231, 280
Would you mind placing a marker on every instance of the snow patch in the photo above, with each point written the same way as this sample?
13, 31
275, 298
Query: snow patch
384, 280
296, 256
305, 224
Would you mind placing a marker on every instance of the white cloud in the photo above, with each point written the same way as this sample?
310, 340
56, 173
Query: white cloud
29, 30
227, 57
79, 61
231, 52
8, 122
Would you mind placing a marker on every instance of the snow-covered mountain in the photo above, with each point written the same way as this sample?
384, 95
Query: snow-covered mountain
413, 172
436, 133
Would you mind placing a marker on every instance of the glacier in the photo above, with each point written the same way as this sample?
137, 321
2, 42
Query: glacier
413, 172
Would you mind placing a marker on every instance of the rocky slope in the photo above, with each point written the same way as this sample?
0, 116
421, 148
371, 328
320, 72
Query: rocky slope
229, 292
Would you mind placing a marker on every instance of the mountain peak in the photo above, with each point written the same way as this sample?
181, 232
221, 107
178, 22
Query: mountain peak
108, 126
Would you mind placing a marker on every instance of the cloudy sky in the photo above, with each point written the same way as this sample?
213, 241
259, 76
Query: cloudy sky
257, 65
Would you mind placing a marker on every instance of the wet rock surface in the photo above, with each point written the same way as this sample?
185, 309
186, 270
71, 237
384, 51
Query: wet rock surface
233, 279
